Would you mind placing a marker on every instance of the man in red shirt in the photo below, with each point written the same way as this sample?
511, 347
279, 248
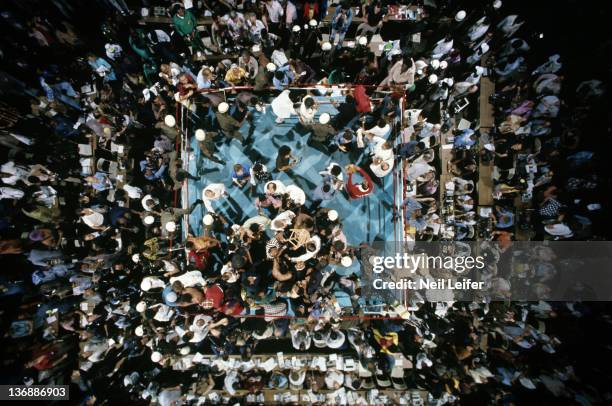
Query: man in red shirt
213, 297
198, 258
358, 190
362, 100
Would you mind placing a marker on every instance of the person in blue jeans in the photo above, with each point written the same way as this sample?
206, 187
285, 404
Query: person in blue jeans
60, 90
341, 22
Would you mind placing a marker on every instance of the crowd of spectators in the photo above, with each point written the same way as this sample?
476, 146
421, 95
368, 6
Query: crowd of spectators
106, 288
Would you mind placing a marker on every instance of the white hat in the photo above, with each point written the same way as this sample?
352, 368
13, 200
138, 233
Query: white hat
172, 297
171, 226
313, 23
497, 4
326, 46
136, 258
489, 147
271, 67
460, 16
146, 284
435, 63
443, 65
200, 134
208, 220
169, 120
395, 52
141, 307
332, 215
433, 79
350, 44
336, 338
324, 118
139, 331
296, 379
346, 262
319, 339
296, 194
296, 28
148, 220
156, 356
255, 48
185, 350
223, 107
363, 40
148, 200
144, 12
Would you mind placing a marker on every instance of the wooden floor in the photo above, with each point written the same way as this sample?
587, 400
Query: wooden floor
487, 88
485, 184
446, 155
487, 121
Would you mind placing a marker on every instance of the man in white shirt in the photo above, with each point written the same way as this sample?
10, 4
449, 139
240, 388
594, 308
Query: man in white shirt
275, 12
382, 157
199, 328
416, 170
308, 110
282, 221
509, 26
133, 192
189, 279
282, 106
7, 192
382, 148
279, 58
290, 13
442, 47
12, 173
381, 130
214, 191
478, 30
92, 218
151, 282
248, 63
164, 313
254, 25
380, 168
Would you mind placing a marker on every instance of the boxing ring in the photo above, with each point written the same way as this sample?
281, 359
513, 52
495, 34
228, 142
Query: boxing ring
378, 217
